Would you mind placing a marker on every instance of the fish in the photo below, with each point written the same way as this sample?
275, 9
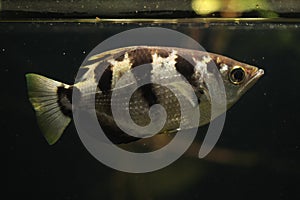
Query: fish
52, 100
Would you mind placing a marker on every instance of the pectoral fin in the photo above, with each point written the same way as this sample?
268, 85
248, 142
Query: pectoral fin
187, 91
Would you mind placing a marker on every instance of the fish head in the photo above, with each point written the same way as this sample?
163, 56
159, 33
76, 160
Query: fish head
237, 77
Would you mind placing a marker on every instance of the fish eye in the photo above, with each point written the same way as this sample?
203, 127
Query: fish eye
237, 75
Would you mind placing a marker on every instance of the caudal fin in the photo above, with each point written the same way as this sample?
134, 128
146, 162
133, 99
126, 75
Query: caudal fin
44, 95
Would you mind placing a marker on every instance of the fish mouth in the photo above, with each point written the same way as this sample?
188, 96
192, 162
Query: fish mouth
255, 76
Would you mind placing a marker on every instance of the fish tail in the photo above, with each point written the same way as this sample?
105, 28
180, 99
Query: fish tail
52, 102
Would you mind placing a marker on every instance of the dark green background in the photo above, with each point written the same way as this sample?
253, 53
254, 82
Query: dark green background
257, 155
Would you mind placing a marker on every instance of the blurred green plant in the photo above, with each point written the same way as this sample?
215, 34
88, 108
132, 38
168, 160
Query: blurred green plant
233, 8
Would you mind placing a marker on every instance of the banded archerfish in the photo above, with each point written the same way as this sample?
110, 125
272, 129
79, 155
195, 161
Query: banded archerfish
52, 100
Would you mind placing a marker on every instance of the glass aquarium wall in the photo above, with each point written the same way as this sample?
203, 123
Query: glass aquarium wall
148, 9
257, 154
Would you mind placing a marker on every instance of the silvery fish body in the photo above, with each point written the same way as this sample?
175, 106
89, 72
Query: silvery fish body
112, 74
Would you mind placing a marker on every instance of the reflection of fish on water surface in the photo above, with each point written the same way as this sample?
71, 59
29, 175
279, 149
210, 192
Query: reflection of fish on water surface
52, 100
